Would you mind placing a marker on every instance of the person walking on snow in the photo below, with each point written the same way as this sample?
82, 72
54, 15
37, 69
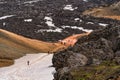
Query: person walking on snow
28, 63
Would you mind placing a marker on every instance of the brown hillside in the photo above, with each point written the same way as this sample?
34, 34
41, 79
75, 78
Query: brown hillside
13, 46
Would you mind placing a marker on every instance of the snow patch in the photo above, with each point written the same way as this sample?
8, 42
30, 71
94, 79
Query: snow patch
80, 28
85, 0
50, 30
69, 7
4, 23
90, 23
4, 17
49, 21
28, 20
3, 2
30, 2
48, 18
103, 24
78, 19
37, 70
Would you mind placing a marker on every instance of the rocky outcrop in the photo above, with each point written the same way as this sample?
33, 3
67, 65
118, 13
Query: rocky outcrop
93, 54
106, 10
116, 6
63, 59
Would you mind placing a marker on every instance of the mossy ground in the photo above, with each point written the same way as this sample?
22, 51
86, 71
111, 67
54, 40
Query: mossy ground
107, 70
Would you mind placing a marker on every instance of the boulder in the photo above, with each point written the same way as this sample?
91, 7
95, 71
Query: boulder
69, 59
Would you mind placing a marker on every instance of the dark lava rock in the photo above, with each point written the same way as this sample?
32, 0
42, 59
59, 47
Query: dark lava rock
63, 74
100, 49
69, 59
38, 9
117, 54
101, 54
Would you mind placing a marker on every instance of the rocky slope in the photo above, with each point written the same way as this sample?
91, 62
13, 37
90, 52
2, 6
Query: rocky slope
94, 57
48, 20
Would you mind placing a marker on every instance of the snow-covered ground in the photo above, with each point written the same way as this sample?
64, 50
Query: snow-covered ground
39, 68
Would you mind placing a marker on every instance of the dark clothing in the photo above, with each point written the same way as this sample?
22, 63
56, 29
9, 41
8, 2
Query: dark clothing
28, 63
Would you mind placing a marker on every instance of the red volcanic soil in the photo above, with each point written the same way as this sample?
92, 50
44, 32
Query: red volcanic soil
70, 41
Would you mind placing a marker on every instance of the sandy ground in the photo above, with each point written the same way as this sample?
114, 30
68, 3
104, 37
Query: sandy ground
39, 68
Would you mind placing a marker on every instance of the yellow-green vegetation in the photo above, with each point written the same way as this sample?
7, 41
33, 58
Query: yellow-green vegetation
100, 72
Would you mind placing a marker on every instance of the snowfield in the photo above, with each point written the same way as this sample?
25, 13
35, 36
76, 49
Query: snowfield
39, 68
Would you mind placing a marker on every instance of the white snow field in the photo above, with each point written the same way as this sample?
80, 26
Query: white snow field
39, 68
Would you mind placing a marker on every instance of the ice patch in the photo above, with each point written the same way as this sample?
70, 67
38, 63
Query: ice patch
80, 28
28, 20
4, 17
69, 7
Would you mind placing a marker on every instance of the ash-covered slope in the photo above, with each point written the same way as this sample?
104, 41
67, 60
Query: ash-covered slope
94, 57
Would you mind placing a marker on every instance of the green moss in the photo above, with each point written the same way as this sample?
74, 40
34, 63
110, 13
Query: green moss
99, 72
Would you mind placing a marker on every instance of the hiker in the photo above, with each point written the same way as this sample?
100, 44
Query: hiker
64, 43
28, 62
48, 52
